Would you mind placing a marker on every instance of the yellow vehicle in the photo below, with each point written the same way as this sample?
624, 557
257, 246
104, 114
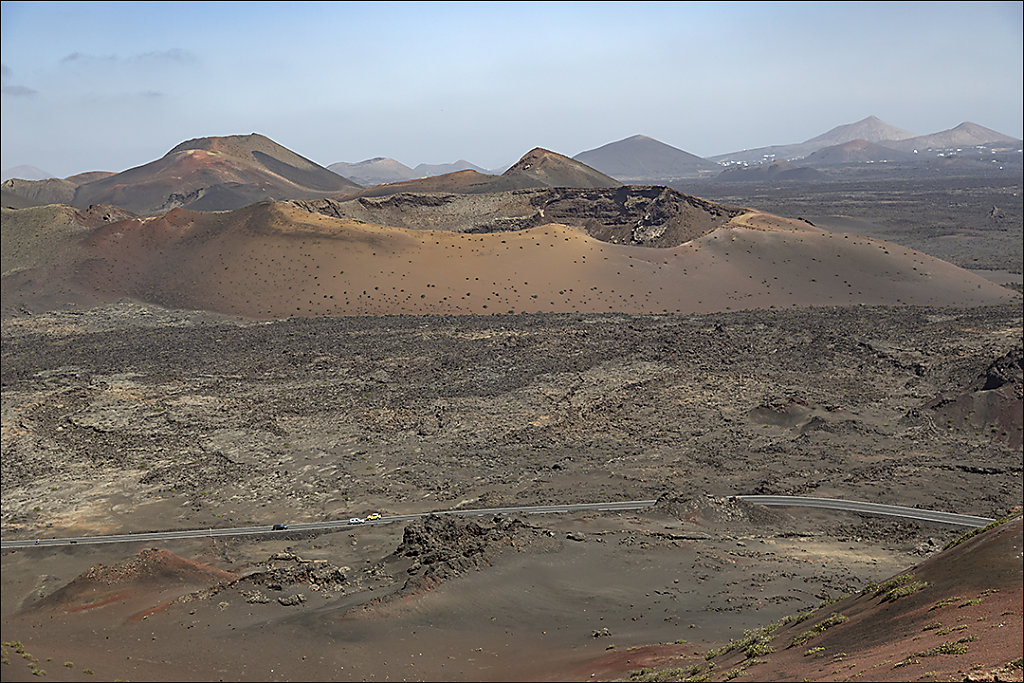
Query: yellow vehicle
375, 515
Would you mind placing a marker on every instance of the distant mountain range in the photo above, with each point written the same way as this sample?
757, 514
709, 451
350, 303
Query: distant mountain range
967, 134
643, 159
872, 130
385, 170
537, 168
223, 173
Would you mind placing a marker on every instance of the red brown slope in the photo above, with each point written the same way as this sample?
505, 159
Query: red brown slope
461, 182
957, 616
214, 174
42, 250
543, 168
134, 587
278, 260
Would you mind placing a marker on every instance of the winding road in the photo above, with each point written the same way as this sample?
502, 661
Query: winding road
769, 501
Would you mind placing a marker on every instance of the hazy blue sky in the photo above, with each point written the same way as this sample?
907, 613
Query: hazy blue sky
107, 86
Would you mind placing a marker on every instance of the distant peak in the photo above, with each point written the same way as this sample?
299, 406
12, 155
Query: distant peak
534, 155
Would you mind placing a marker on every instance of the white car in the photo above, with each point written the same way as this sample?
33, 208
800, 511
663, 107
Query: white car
357, 520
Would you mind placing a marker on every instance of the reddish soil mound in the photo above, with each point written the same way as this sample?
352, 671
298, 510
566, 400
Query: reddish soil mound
146, 580
543, 168
856, 152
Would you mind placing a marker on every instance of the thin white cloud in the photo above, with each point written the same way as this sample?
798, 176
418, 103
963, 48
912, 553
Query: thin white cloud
18, 91
173, 55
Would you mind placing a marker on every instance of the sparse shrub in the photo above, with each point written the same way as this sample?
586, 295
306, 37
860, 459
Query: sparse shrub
945, 603
827, 623
895, 588
956, 647
691, 674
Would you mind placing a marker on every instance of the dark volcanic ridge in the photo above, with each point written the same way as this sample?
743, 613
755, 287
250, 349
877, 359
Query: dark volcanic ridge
652, 215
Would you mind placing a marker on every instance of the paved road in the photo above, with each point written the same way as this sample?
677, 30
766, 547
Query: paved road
772, 501
869, 509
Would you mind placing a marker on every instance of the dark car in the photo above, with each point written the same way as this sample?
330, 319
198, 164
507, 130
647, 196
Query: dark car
280, 527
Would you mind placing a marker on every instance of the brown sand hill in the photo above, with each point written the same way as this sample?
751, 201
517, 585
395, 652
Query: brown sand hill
467, 182
967, 134
47, 190
374, 171
543, 168
41, 252
10, 200
212, 174
277, 260
537, 168
855, 152
775, 171
993, 402
441, 169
